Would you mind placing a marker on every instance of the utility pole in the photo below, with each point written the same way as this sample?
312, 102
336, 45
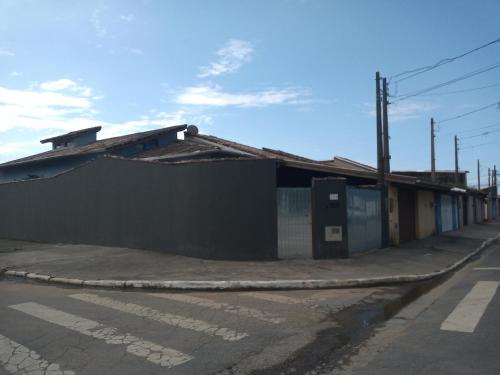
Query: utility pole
380, 150
495, 175
385, 122
478, 176
433, 155
489, 177
456, 160
380, 165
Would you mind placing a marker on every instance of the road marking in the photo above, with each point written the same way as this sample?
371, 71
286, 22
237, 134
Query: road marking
471, 308
18, 359
152, 352
274, 298
487, 269
170, 319
226, 307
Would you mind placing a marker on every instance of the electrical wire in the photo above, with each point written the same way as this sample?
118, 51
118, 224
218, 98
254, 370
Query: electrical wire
415, 72
443, 84
473, 129
478, 145
461, 91
481, 134
470, 112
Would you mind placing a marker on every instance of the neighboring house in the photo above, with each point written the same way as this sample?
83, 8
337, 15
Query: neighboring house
73, 149
204, 196
442, 177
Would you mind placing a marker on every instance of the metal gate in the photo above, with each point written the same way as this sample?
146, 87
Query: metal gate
364, 219
446, 213
294, 223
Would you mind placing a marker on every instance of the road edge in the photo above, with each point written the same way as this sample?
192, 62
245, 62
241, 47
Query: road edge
233, 285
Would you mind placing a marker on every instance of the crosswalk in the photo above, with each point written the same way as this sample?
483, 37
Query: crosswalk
17, 358
467, 314
243, 321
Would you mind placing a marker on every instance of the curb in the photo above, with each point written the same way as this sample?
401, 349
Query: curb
248, 284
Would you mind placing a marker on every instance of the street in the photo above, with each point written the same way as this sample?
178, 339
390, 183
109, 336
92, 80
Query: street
88, 331
454, 329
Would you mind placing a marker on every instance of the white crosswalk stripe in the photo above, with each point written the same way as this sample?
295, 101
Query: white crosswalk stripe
170, 319
226, 307
466, 316
152, 352
270, 297
18, 359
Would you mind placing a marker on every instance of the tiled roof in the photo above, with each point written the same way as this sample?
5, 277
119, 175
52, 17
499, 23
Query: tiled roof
72, 135
349, 164
178, 147
249, 150
103, 145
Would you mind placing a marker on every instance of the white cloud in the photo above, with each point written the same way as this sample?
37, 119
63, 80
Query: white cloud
231, 57
15, 74
406, 110
214, 96
67, 108
4, 52
127, 17
66, 84
96, 22
58, 85
136, 51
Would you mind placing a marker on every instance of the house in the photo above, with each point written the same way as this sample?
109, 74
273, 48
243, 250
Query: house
75, 148
204, 196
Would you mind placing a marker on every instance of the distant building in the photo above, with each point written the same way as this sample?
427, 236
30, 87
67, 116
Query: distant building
442, 177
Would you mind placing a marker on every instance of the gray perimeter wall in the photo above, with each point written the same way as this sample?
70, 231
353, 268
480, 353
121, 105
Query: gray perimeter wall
215, 210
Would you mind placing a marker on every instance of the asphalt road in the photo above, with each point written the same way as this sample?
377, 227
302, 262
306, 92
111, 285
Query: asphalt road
56, 330
454, 329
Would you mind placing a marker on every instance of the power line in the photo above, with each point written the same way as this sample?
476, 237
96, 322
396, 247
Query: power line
481, 134
480, 144
415, 72
470, 112
473, 129
461, 91
443, 84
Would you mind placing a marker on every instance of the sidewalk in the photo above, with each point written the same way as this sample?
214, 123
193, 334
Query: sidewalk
86, 262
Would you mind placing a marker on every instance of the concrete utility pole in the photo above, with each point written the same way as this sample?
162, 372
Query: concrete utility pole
478, 176
495, 175
433, 155
385, 122
489, 177
380, 150
456, 160
381, 162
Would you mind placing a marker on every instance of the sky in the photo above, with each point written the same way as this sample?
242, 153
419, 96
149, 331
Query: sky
291, 75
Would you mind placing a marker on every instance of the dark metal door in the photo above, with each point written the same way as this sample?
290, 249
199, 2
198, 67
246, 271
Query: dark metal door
406, 203
329, 218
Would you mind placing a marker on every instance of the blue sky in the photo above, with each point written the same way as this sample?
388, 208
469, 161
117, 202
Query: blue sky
291, 75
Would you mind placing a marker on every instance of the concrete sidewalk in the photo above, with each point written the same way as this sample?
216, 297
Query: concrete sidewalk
86, 262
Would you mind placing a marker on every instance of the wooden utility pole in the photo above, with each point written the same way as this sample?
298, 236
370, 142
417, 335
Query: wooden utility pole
456, 160
385, 123
478, 176
380, 150
433, 155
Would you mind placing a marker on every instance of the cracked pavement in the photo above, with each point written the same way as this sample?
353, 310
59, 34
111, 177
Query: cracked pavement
51, 330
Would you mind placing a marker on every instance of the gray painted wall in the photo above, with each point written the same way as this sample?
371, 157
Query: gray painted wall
218, 210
